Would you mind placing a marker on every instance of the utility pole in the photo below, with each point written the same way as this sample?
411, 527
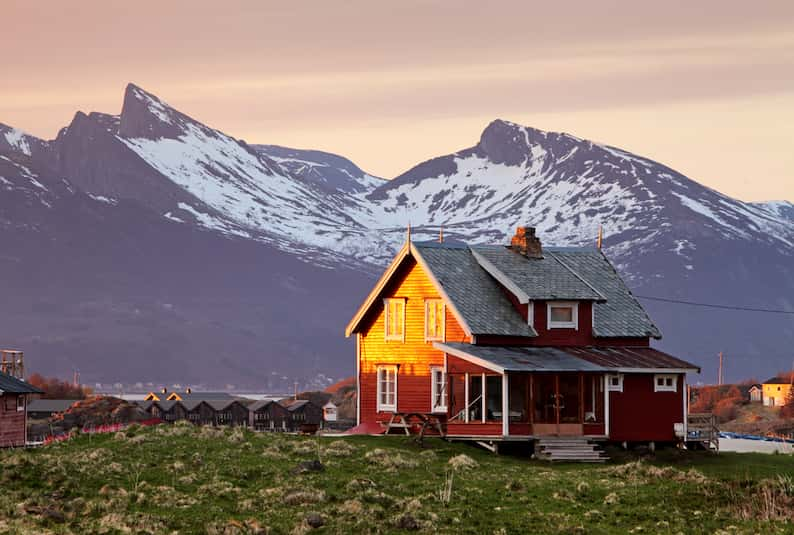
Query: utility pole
719, 375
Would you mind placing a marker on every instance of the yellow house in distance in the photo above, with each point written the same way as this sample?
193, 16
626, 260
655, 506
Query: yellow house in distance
776, 391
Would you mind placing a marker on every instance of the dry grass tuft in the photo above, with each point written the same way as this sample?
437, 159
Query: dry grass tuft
773, 499
304, 497
340, 448
391, 460
462, 462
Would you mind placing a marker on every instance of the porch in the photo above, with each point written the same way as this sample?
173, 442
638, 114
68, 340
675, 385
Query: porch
503, 393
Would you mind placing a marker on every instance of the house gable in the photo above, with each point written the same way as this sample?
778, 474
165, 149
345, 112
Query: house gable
413, 356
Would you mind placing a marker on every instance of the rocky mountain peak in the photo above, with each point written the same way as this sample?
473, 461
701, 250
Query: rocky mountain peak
143, 115
505, 142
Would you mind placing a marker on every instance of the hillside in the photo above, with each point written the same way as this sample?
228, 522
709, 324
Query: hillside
148, 246
229, 481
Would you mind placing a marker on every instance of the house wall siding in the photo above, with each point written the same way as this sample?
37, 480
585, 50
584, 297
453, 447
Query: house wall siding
12, 422
640, 414
414, 356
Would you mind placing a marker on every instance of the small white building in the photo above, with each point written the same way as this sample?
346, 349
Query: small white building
329, 412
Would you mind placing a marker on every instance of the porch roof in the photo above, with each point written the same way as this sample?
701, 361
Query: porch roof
568, 359
633, 359
519, 359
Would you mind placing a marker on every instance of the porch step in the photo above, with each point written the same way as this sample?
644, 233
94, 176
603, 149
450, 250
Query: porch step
569, 449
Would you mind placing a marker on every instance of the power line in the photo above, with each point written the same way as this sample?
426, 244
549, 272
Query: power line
713, 305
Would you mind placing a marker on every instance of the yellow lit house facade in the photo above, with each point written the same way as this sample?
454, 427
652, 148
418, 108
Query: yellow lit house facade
776, 391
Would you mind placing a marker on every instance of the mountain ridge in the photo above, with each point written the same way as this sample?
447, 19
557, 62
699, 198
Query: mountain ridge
668, 235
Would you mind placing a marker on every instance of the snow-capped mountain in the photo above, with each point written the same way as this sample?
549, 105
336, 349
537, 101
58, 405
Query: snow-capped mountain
567, 187
781, 209
670, 236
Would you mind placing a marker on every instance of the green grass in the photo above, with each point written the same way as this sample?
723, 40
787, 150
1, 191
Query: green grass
199, 480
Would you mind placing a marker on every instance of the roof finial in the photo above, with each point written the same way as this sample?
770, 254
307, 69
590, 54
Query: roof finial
408, 238
441, 234
600, 239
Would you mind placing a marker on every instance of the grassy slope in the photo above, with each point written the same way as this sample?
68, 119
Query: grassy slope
203, 480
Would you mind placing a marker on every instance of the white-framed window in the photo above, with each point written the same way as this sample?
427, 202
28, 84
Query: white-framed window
438, 389
387, 388
395, 318
434, 320
20, 403
615, 382
562, 315
665, 382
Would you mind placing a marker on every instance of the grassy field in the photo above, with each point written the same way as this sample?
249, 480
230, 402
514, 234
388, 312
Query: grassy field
181, 479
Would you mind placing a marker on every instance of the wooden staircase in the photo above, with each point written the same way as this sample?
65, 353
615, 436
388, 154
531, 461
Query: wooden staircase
569, 449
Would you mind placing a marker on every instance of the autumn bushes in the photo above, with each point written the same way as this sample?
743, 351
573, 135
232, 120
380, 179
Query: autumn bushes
723, 401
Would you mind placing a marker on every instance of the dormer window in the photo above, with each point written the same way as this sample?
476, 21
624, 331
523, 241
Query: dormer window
563, 315
395, 318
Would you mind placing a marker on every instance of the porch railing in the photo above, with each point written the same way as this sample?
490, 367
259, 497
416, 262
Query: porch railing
462, 413
702, 427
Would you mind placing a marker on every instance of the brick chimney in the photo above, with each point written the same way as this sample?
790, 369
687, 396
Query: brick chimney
526, 243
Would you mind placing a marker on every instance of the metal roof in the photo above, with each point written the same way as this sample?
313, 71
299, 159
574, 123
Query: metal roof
567, 359
50, 405
777, 380
202, 395
520, 359
166, 405
262, 403
631, 358
11, 385
295, 404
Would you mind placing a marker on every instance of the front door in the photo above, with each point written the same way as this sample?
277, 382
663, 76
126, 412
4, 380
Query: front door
557, 404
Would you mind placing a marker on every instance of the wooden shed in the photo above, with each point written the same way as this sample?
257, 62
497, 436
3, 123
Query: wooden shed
303, 413
229, 412
268, 415
199, 412
14, 394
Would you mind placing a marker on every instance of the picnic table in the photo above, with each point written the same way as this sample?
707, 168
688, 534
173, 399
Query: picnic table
402, 420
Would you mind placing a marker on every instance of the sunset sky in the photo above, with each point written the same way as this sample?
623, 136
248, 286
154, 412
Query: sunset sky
705, 87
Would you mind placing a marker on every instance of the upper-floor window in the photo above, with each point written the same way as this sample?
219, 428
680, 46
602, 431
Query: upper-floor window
438, 389
434, 319
387, 388
395, 318
665, 383
20, 403
563, 315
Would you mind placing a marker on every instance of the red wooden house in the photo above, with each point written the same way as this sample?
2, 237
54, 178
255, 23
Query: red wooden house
14, 395
514, 342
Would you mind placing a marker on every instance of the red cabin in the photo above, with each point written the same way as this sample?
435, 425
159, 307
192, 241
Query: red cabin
14, 395
514, 342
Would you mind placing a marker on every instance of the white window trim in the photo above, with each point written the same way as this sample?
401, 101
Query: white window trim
393, 337
665, 388
563, 324
615, 388
531, 314
20, 403
386, 407
443, 335
434, 390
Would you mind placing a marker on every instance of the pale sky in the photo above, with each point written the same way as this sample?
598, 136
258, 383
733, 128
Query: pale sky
706, 87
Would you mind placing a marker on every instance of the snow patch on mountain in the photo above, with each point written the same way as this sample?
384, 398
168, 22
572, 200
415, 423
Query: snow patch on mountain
18, 139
